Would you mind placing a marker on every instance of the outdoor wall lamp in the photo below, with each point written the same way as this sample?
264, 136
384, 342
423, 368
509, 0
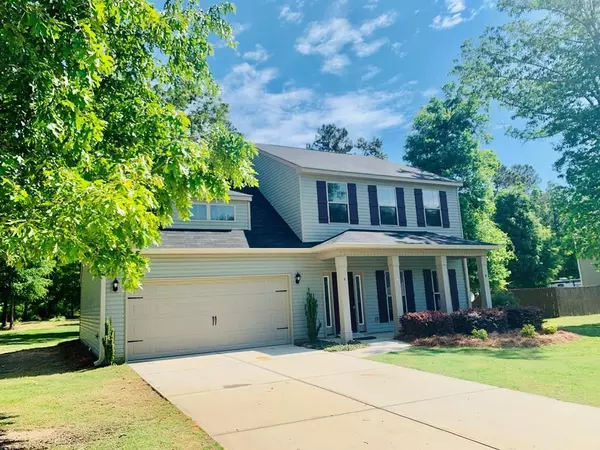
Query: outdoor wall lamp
298, 277
115, 285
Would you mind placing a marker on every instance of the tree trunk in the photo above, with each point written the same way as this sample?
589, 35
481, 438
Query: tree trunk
12, 313
4, 312
25, 317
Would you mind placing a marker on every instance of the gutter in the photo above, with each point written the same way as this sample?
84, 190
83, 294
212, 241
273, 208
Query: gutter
100, 359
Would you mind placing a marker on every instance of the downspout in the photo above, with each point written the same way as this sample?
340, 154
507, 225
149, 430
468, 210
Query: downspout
100, 359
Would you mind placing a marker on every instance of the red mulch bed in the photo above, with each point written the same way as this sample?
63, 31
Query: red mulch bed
512, 339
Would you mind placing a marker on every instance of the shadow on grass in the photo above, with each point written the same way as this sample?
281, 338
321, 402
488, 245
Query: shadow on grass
70, 356
526, 353
6, 442
31, 338
590, 329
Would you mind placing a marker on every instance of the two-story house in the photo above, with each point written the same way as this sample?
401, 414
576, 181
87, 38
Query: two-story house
371, 239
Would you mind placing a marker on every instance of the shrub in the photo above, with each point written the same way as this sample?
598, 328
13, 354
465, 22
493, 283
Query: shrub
480, 334
108, 342
426, 323
549, 328
517, 316
504, 298
492, 320
528, 330
311, 310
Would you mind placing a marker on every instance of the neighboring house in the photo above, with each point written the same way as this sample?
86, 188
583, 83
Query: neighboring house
371, 239
589, 273
566, 283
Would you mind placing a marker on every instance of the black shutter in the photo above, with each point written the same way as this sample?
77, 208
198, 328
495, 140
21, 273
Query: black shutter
401, 206
353, 203
444, 207
428, 290
373, 205
336, 302
381, 296
410, 291
453, 289
420, 208
322, 201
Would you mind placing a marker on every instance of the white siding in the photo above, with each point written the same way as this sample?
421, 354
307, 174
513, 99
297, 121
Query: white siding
314, 231
311, 271
280, 184
241, 222
89, 321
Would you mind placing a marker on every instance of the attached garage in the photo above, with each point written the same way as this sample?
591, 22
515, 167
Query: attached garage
179, 316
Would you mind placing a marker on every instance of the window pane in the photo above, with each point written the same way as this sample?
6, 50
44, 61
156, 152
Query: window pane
338, 213
388, 214
222, 212
433, 217
386, 196
327, 301
336, 192
431, 199
359, 303
198, 212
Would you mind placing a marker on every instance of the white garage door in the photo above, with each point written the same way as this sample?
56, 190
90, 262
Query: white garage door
182, 316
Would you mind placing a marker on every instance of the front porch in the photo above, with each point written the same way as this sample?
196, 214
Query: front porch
371, 286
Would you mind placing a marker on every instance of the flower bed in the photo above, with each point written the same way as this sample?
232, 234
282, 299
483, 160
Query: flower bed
497, 340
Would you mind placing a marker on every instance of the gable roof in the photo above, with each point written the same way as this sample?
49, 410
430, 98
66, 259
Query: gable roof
312, 161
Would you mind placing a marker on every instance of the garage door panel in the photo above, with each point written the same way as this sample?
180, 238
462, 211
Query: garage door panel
175, 316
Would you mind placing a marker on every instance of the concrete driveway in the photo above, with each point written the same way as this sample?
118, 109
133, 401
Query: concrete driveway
290, 398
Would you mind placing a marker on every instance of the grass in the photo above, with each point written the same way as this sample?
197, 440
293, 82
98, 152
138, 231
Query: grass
566, 372
53, 397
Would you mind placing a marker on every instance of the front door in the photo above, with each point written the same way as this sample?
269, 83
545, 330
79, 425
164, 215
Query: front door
336, 302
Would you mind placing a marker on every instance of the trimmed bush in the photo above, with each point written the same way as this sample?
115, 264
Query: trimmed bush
426, 323
311, 310
504, 298
491, 320
549, 328
518, 316
480, 334
108, 342
528, 330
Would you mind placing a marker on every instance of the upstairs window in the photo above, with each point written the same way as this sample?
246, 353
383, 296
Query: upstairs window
433, 210
337, 202
388, 212
217, 212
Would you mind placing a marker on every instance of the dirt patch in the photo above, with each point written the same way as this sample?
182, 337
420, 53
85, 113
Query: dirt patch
41, 438
67, 356
496, 340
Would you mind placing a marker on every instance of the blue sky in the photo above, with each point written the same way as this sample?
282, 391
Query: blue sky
368, 65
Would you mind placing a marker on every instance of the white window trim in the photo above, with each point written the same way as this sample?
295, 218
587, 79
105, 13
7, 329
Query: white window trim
208, 219
360, 290
390, 298
327, 183
435, 293
439, 209
395, 206
327, 297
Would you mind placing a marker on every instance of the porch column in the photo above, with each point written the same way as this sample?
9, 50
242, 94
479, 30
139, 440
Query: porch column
396, 288
441, 265
484, 282
341, 268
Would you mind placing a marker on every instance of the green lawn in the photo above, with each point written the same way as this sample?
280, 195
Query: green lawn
563, 371
53, 397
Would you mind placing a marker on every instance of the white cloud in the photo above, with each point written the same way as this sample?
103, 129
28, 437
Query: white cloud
239, 28
288, 15
371, 72
455, 14
371, 4
335, 64
291, 116
259, 54
328, 38
397, 49
428, 93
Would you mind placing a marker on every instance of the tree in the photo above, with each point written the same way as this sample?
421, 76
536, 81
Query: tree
537, 261
372, 148
95, 144
445, 140
543, 65
522, 176
331, 138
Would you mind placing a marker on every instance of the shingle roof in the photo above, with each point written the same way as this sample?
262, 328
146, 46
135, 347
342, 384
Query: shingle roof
398, 237
349, 163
